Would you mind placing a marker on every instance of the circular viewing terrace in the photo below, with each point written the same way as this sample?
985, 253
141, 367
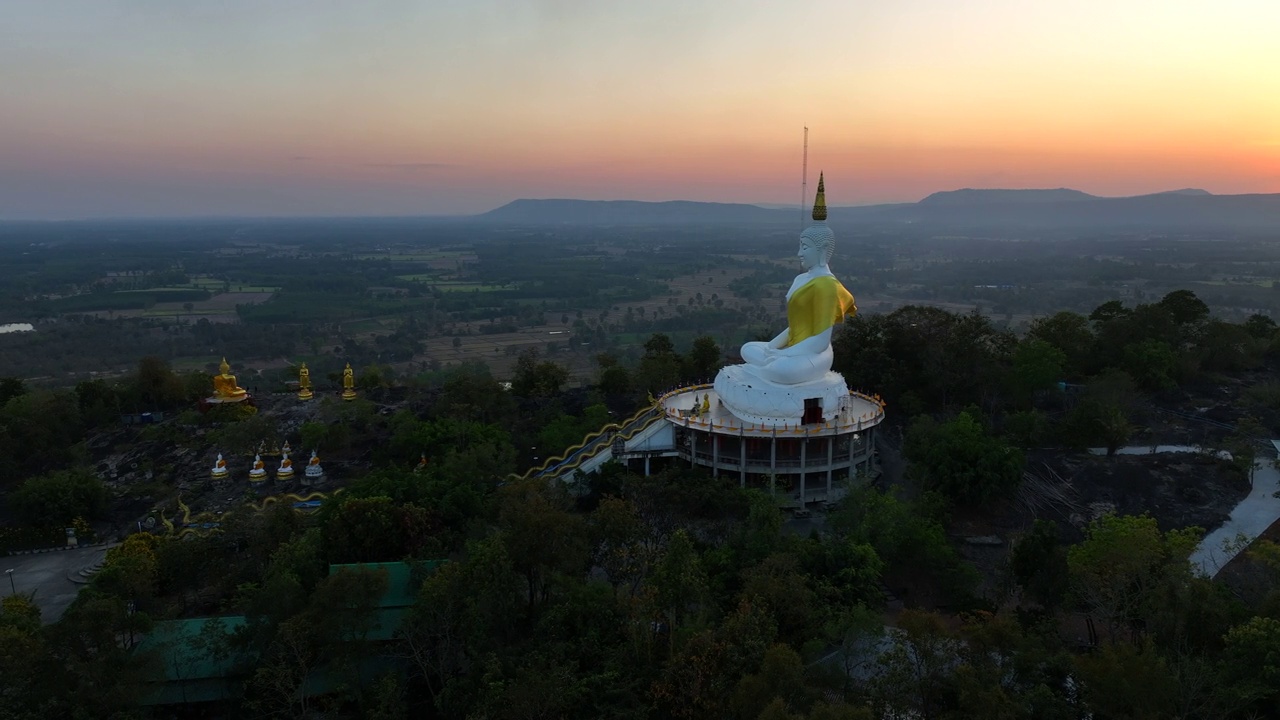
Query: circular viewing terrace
802, 463
859, 412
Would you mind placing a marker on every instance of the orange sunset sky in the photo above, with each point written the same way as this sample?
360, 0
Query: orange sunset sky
303, 107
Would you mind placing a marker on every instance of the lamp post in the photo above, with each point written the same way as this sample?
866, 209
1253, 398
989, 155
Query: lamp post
12, 586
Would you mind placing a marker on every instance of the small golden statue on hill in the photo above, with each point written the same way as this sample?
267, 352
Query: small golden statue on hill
348, 383
304, 383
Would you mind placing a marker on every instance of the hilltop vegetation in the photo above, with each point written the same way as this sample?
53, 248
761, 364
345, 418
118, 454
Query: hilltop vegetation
675, 595
680, 595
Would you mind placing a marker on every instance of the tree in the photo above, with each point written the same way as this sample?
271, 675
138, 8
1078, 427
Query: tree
1123, 564
907, 537
329, 636
97, 675
679, 583
156, 384
856, 631
1037, 366
97, 401
659, 368
1152, 363
915, 668
621, 545
464, 611
544, 539
1070, 333
1039, 565
700, 679
533, 379
38, 427
778, 684
779, 583
703, 360
1253, 659
1127, 681
1243, 443
1258, 326
1185, 307
54, 500
1108, 311
962, 461
374, 529
11, 387
130, 572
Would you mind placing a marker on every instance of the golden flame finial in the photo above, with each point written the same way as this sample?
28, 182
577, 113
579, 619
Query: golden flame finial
820, 202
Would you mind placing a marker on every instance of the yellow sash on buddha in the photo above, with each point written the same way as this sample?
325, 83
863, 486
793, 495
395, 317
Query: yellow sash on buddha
816, 306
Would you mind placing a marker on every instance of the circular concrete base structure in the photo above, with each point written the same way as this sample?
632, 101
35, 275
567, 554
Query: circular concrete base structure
800, 463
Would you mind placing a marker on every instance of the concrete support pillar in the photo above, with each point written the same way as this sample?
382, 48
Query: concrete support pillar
831, 459
715, 455
742, 459
773, 453
804, 461
646, 466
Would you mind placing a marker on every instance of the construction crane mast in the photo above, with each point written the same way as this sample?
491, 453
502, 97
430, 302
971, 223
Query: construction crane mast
804, 178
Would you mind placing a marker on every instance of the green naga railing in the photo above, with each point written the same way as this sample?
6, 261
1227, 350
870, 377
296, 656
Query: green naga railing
584, 451
205, 523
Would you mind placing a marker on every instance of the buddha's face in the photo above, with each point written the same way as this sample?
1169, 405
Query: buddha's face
810, 254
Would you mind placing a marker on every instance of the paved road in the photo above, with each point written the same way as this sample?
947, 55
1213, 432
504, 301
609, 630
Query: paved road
46, 575
1248, 520
1255, 513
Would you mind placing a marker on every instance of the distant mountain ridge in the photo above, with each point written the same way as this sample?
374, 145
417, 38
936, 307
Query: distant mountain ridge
969, 196
969, 207
627, 212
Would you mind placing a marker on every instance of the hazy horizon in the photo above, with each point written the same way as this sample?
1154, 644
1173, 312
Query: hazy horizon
314, 109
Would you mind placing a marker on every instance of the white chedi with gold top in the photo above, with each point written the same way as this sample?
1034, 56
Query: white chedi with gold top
780, 378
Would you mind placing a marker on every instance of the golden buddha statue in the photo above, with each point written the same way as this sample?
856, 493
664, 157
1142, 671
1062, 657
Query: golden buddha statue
304, 383
348, 383
224, 384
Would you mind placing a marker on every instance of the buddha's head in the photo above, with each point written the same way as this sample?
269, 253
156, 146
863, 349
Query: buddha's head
816, 247
224, 367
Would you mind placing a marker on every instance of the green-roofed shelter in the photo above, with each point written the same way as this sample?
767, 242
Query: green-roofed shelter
200, 665
197, 659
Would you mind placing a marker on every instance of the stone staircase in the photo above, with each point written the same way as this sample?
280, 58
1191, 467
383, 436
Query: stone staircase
86, 573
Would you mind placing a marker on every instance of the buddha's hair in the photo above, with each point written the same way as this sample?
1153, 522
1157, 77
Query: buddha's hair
822, 238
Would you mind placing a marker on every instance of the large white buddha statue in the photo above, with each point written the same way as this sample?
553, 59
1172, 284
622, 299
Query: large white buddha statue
778, 377
816, 302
